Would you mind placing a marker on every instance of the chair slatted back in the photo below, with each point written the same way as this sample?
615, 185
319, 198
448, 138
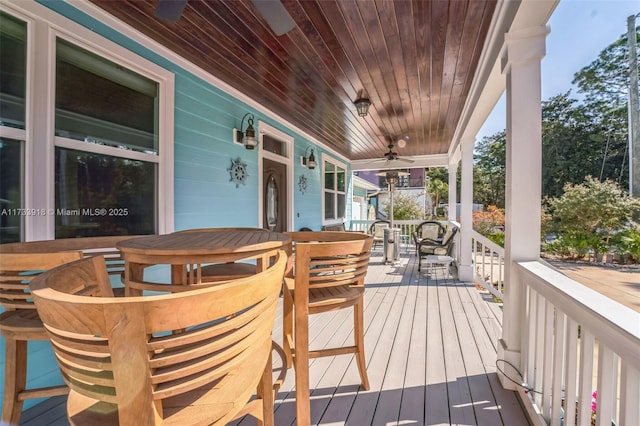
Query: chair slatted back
18, 269
127, 352
330, 259
90, 246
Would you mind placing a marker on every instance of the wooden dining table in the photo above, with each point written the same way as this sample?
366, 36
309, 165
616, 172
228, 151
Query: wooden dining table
186, 251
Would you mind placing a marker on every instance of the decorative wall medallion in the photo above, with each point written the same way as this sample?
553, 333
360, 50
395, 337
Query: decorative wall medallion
302, 184
238, 172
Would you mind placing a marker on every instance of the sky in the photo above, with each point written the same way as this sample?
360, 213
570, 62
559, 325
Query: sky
580, 30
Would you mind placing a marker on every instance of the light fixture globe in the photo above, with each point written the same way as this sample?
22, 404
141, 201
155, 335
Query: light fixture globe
362, 105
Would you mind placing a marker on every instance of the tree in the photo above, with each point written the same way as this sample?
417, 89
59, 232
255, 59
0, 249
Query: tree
489, 174
405, 207
592, 212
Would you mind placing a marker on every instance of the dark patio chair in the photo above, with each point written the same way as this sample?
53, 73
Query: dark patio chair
427, 246
377, 230
431, 229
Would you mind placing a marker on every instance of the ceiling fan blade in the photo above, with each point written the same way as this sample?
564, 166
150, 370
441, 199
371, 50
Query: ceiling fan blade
276, 15
405, 160
170, 10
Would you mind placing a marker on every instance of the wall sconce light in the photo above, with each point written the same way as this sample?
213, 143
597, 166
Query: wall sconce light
246, 137
362, 105
310, 161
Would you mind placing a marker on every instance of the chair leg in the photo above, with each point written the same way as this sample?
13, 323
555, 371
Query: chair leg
287, 327
15, 380
358, 330
301, 365
265, 392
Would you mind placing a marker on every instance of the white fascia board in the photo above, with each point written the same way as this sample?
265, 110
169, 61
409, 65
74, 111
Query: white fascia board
489, 83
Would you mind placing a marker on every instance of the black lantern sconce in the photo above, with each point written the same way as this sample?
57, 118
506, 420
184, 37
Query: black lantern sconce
362, 105
246, 137
310, 160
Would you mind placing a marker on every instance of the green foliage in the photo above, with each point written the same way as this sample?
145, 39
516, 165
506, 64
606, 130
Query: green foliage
588, 214
628, 243
437, 186
405, 207
489, 172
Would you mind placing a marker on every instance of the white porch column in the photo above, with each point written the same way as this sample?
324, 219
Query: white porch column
453, 193
465, 268
521, 64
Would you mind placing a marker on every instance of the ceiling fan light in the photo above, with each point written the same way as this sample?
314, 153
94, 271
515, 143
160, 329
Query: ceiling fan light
362, 105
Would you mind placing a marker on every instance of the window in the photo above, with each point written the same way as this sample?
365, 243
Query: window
103, 165
13, 54
334, 192
104, 105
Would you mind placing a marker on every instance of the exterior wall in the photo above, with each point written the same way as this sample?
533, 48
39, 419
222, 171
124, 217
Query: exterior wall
204, 195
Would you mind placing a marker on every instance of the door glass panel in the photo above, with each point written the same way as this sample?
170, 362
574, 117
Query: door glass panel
272, 203
13, 74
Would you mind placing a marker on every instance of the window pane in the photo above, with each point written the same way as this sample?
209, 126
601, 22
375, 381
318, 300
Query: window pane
274, 145
329, 176
329, 206
103, 195
341, 179
11, 169
342, 204
13, 75
101, 102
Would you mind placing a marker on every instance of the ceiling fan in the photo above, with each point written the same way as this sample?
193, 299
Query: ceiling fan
273, 12
391, 155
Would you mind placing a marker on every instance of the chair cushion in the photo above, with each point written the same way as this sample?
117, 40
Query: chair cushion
430, 231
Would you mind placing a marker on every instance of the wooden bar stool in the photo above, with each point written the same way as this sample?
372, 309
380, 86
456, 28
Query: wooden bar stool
20, 323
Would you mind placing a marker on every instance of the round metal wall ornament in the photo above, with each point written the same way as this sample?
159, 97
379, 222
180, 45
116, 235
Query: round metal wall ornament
302, 184
238, 172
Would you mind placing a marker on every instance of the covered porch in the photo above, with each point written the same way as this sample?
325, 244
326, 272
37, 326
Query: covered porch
431, 357
432, 339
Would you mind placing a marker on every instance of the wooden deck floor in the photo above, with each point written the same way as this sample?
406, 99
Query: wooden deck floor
431, 353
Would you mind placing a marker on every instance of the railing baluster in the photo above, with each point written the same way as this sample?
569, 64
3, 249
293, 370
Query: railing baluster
587, 343
547, 368
539, 348
604, 412
556, 379
570, 373
629, 394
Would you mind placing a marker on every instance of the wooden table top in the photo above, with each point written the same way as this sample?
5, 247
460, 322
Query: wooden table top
205, 243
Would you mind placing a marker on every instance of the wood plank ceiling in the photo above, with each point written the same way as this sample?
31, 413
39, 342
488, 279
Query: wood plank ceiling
414, 59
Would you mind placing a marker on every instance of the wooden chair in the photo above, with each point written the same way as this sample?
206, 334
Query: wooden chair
19, 324
334, 228
327, 273
431, 229
125, 365
377, 230
427, 246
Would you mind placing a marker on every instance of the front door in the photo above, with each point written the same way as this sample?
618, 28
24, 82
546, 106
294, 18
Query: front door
274, 179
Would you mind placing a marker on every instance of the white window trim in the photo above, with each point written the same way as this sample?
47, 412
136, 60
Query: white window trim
43, 26
338, 219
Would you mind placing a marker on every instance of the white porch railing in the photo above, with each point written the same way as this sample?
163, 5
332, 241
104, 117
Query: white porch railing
406, 228
488, 264
576, 341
